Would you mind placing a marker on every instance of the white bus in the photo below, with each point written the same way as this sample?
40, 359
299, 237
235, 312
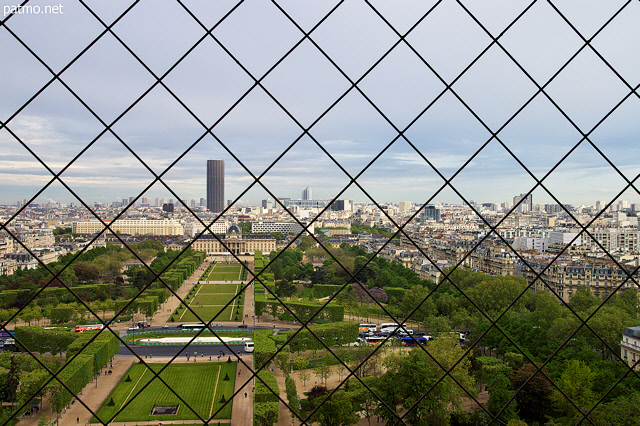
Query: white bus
364, 328
390, 327
248, 346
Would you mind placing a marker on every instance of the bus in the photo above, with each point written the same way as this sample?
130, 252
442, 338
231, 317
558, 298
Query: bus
248, 346
411, 341
390, 327
374, 339
81, 328
199, 326
368, 328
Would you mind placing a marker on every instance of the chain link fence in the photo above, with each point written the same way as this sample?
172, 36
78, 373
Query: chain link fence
353, 79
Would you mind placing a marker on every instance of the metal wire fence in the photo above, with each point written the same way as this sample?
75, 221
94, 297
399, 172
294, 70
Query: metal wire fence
447, 371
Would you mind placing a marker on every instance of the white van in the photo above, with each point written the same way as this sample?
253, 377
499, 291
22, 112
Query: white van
248, 347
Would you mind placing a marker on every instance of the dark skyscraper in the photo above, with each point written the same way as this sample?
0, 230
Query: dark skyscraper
215, 185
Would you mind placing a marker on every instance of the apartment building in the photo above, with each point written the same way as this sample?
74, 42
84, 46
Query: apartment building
132, 227
630, 347
565, 279
263, 227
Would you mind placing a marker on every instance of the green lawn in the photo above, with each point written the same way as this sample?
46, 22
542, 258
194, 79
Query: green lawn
218, 288
208, 300
208, 312
213, 299
223, 272
200, 385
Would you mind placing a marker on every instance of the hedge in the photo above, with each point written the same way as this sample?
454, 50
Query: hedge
76, 375
394, 293
335, 334
303, 310
324, 290
263, 347
265, 413
54, 295
38, 339
61, 314
292, 393
264, 393
102, 349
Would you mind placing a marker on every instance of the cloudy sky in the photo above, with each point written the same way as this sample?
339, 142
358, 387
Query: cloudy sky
400, 116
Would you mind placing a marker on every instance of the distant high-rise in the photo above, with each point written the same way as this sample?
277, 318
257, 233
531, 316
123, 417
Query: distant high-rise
215, 185
306, 194
430, 213
526, 206
404, 206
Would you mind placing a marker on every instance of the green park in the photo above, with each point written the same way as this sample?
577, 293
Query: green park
181, 387
523, 369
225, 272
215, 302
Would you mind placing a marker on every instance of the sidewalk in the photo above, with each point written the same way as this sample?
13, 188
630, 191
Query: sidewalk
92, 395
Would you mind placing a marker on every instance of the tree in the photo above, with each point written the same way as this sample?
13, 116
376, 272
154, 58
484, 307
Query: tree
582, 300
306, 243
414, 297
358, 291
9, 388
535, 396
31, 383
413, 380
140, 277
609, 324
494, 294
623, 411
150, 244
628, 301
304, 376
336, 410
322, 371
575, 382
499, 394
86, 271
437, 325
546, 309
362, 399
265, 413
282, 360
67, 276
388, 388
285, 288
292, 396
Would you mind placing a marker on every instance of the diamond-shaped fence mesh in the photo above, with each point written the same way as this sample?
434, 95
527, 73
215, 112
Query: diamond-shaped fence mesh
157, 309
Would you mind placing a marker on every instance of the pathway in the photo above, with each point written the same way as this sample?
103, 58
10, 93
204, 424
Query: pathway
92, 395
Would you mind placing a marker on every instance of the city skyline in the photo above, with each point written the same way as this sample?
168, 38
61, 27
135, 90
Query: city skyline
56, 126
